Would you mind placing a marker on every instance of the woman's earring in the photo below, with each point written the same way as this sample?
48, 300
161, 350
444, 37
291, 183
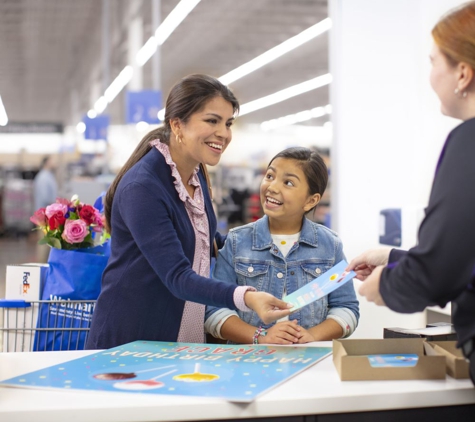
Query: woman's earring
456, 91
178, 138
464, 94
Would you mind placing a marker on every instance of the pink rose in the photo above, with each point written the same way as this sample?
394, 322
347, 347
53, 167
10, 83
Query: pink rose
56, 208
75, 231
63, 201
39, 218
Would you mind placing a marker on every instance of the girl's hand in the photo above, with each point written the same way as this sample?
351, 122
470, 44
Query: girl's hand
306, 337
285, 332
268, 307
365, 263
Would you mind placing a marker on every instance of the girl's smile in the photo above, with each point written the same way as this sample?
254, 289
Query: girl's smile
285, 195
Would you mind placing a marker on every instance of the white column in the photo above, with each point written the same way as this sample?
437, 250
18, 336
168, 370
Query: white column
135, 42
388, 130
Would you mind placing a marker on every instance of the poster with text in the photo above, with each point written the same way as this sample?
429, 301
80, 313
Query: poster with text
232, 372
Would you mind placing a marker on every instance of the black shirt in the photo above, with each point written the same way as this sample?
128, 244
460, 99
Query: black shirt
441, 267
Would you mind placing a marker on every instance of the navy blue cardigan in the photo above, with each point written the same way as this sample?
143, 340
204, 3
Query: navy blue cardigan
149, 275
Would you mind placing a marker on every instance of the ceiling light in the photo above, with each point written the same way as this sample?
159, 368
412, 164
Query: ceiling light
92, 114
291, 119
176, 16
270, 55
81, 127
100, 105
285, 94
122, 79
146, 51
3, 114
141, 126
276, 52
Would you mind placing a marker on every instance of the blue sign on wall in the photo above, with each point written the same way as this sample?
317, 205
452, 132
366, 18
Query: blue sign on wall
143, 106
96, 128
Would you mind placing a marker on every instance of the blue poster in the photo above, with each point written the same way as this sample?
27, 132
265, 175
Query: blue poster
232, 372
143, 106
96, 129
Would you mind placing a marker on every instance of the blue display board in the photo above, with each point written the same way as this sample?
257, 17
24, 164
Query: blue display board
233, 372
143, 106
96, 129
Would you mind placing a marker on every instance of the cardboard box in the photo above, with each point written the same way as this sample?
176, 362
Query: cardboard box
456, 364
25, 281
350, 358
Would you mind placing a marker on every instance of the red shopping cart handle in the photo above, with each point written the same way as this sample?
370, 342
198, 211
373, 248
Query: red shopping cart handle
14, 303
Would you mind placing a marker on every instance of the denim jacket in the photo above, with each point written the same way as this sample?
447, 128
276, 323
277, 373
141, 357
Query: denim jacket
249, 258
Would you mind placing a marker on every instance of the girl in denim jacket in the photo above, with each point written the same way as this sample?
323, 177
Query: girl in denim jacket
282, 252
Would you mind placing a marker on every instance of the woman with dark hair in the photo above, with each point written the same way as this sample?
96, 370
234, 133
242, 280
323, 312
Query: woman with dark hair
281, 253
441, 268
159, 213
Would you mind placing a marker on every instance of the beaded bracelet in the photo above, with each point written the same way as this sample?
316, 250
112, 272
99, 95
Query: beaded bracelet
259, 332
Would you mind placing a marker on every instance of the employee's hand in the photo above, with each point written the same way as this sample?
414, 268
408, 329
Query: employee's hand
364, 264
370, 288
268, 307
285, 332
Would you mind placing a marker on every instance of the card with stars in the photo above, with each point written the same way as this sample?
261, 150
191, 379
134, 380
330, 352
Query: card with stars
321, 286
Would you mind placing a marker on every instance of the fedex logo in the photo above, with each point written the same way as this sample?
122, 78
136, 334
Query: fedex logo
26, 284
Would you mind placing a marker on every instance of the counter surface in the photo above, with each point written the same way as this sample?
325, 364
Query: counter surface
316, 391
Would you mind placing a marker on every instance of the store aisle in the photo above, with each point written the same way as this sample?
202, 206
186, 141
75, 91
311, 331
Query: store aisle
16, 251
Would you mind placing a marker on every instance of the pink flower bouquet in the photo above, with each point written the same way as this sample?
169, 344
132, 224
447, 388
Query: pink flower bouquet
70, 225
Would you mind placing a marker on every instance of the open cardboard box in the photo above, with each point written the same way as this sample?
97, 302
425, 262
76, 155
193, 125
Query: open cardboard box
456, 364
350, 358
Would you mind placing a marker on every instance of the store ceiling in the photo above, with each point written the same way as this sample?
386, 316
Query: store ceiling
51, 61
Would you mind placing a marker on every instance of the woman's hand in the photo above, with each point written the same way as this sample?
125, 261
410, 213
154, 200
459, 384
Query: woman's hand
268, 307
364, 264
370, 288
285, 332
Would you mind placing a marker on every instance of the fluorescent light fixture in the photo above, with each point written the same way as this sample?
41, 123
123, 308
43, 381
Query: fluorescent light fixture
92, 114
100, 105
3, 114
271, 55
81, 127
277, 51
291, 119
122, 79
285, 94
146, 51
176, 16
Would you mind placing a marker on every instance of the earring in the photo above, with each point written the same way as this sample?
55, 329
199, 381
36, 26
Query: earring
178, 138
464, 94
456, 91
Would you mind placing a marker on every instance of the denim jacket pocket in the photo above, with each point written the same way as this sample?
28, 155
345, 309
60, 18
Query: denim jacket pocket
251, 273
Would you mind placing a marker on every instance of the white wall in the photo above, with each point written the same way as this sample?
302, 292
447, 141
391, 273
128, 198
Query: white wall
388, 130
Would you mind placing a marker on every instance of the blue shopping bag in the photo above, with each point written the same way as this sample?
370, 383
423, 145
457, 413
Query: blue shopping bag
73, 275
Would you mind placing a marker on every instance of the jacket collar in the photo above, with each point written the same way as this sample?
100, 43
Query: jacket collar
261, 238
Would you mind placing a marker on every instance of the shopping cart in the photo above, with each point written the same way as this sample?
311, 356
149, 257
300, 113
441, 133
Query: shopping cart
44, 325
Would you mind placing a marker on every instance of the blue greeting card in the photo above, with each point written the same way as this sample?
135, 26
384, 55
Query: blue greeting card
391, 360
329, 281
233, 372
